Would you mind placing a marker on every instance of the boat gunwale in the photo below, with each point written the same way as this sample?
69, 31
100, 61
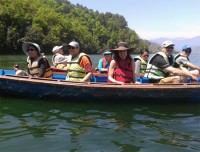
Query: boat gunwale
65, 83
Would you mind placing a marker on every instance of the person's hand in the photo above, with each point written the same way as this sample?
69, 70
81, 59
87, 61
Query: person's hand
15, 69
137, 82
119, 82
194, 78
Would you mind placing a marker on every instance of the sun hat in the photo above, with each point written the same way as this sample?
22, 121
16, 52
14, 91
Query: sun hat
167, 43
121, 46
56, 48
185, 47
107, 53
25, 46
74, 44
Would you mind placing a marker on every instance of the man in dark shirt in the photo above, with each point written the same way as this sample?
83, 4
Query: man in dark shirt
160, 62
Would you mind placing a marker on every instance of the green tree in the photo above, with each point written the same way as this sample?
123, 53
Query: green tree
57, 22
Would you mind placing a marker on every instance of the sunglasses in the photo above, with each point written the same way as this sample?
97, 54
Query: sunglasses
188, 50
71, 47
145, 55
30, 49
170, 47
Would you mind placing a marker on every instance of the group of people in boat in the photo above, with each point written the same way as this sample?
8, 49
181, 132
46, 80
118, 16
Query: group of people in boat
117, 63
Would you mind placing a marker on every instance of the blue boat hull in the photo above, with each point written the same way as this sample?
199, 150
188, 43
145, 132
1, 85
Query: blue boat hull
61, 89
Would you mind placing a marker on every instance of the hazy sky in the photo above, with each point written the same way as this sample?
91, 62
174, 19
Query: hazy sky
153, 18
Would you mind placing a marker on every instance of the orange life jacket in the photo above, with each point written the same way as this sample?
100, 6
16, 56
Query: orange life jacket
104, 62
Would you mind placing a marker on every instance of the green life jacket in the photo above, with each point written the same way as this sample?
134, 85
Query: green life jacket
75, 72
154, 72
143, 65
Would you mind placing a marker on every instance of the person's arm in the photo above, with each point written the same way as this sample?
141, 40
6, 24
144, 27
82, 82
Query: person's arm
104, 70
87, 77
179, 72
184, 69
184, 61
43, 65
134, 74
100, 65
192, 66
86, 64
111, 73
137, 66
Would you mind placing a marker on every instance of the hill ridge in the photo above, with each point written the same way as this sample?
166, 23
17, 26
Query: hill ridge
179, 42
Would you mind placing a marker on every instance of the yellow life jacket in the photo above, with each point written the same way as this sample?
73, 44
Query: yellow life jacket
74, 71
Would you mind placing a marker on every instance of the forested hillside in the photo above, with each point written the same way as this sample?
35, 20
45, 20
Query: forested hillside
57, 22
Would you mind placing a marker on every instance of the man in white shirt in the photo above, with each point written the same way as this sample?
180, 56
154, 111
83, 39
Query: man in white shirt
182, 61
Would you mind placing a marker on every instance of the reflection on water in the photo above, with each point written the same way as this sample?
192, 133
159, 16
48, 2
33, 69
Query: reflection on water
29, 125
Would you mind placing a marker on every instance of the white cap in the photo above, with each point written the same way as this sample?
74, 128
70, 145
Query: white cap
25, 46
167, 43
74, 44
56, 48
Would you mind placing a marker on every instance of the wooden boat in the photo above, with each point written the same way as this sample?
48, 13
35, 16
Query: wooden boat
61, 89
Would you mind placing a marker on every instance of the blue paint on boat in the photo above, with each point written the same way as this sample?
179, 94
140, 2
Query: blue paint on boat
1, 72
59, 76
8, 72
58, 88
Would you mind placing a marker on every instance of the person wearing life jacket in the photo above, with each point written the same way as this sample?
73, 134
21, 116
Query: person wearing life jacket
141, 61
182, 61
18, 71
79, 66
104, 62
122, 67
58, 59
38, 64
160, 67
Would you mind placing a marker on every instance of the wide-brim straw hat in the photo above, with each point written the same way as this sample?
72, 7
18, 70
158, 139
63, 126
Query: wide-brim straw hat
25, 46
121, 46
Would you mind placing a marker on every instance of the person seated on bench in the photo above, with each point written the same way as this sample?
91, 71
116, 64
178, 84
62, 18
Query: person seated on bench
160, 67
59, 60
104, 62
18, 71
38, 64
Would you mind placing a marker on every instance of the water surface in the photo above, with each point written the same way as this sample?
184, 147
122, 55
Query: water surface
38, 125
